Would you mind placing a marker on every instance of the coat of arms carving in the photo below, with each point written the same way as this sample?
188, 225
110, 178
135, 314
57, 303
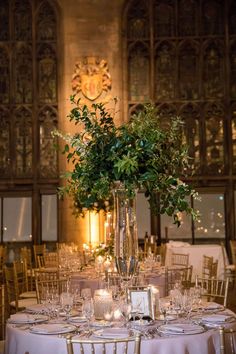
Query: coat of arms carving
91, 77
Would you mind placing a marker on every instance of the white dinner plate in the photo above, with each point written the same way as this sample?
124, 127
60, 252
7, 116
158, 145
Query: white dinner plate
37, 308
100, 324
52, 328
180, 329
77, 319
166, 318
212, 306
113, 332
27, 318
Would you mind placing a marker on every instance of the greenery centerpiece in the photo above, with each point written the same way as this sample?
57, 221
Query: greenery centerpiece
142, 154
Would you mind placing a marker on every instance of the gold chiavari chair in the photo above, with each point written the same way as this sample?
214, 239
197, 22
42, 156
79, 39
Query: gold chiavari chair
50, 281
21, 274
214, 269
14, 302
233, 251
51, 260
48, 260
3, 318
227, 340
39, 250
2, 261
107, 346
180, 276
40, 262
207, 262
161, 250
215, 289
229, 269
2, 310
179, 259
26, 254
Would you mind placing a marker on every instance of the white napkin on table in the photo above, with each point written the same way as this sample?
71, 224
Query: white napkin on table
216, 318
181, 328
21, 317
50, 328
114, 332
211, 306
36, 308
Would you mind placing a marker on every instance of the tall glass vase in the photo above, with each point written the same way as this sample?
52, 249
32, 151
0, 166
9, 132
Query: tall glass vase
125, 229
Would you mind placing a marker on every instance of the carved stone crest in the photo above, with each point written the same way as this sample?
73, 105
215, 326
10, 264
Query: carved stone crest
91, 77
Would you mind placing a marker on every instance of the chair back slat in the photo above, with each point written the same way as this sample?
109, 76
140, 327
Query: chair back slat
227, 340
215, 289
233, 250
2, 310
179, 259
49, 281
182, 276
107, 346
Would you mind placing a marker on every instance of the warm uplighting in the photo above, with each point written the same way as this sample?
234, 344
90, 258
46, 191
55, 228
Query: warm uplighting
93, 228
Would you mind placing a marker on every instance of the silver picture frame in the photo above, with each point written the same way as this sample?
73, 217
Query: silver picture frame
143, 297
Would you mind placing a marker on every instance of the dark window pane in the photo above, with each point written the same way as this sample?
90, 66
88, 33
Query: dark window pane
211, 223
19, 210
49, 217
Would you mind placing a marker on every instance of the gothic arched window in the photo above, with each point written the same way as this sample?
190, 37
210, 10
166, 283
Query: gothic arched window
181, 55
28, 114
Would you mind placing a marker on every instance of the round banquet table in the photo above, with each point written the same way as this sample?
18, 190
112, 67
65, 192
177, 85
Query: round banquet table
21, 341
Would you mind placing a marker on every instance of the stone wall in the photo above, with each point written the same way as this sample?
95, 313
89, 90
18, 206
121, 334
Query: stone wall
89, 28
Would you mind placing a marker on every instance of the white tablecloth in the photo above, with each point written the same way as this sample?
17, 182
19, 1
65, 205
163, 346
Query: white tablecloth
196, 253
20, 341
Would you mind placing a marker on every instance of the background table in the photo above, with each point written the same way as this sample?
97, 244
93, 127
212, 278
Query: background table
196, 253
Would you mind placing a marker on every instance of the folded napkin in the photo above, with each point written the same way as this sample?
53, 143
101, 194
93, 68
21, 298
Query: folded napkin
181, 328
36, 308
114, 332
22, 317
51, 328
77, 319
178, 244
216, 318
212, 306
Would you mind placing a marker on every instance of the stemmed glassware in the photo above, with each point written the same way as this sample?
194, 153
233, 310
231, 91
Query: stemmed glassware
67, 303
86, 294
136, 310
125, 308
88, 311
163, 307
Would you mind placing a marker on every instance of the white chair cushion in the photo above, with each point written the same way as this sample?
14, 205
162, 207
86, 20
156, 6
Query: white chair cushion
28, 294
22, 303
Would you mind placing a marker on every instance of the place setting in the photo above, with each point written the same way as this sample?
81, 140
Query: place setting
52, 328
24, 318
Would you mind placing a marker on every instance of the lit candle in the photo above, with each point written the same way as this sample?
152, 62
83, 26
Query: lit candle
155, 298
102, 303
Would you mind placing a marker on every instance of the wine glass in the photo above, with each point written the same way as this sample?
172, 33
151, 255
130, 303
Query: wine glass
88, 311
67, 303
125, 308
86, 293
163, 306
136, 310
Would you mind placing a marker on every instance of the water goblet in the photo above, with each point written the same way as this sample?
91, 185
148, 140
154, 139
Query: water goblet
125, 307
86, 293
67, 303
88, 311
163, 307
